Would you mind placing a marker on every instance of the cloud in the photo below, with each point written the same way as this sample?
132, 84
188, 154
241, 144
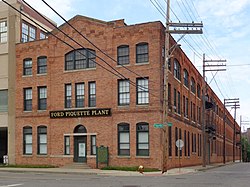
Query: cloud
66, 9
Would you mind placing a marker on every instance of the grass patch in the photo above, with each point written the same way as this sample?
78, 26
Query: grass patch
133, 168
28, 166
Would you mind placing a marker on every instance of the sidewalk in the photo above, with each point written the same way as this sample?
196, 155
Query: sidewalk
174, 171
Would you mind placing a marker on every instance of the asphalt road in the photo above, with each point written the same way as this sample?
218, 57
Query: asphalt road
235, 175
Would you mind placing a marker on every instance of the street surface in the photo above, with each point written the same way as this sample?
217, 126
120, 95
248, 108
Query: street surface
234, 175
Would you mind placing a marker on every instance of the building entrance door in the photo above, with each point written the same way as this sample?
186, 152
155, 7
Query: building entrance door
80, 149
3, 143
80, 144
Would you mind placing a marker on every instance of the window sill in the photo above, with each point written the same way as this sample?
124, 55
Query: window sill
143, 63
119, 66
77, 70
147, 157
41, 74
27, 111
142, 105
24, 76
41, 110
42, 156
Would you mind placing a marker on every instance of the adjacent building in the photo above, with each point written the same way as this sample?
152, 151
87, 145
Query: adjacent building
73, 98
14, 28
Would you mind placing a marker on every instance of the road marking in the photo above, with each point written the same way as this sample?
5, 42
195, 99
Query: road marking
12, 185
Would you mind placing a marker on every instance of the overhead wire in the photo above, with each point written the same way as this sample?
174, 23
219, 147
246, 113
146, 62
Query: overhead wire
88, 40
36, 23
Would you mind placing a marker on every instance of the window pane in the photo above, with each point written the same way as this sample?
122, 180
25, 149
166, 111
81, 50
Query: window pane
124, 146
28, 149
43, 149
28, 139
143, 146
124, 137
143, 137
43, 138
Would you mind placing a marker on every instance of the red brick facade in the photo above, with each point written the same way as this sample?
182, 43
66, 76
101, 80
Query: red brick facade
108, 36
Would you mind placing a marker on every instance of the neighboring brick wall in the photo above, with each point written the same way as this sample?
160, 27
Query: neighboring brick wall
107, 36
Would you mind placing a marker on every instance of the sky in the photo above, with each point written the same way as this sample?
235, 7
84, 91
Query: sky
225, 35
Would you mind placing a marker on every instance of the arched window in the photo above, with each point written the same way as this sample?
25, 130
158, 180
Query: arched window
27, 140
177, 69
123, 55
193, 85
42, 140
80, 59
185, 78
80, 129
41, 65
198, 90
123, 139
142, 53
142, 139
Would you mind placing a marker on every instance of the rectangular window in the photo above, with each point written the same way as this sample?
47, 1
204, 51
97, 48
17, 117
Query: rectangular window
170, 141
175, 100
66, 145
41, 65
92, 94
199, 145
193, 143
42, 140
142, 95
142, 137
169, 97
93, 144
27, 99
123, 55
3, 32
185, 143
176, 138
42, 35
194, 116
186, 108
28, 33
179, 103
68, 95
3, 100
180, 137
27, 140
123, 92
42, 98
79, 93
123, 140
27, 66
142, 53
191, 110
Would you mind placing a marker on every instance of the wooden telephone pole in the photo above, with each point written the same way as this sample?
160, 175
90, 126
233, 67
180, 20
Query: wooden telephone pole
172, 28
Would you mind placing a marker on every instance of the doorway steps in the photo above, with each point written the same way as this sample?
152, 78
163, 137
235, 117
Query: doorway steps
77, 165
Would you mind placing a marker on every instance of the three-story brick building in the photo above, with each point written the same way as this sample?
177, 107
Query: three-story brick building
72, 98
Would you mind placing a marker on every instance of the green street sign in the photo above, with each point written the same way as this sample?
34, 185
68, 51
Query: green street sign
170, 124
157, 125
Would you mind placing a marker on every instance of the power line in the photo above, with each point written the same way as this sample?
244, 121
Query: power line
90, 41
130, 82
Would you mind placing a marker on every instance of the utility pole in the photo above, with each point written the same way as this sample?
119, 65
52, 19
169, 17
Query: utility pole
183, 28
204, 93
234, 103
